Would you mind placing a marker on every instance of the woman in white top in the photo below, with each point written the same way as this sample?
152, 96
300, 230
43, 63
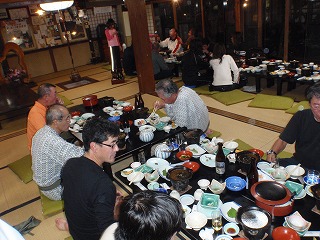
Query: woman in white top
222, 66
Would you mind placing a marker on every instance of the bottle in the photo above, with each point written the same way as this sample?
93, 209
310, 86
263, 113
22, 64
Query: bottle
126, 126
220, 160
252, 176
136, 101
141, 102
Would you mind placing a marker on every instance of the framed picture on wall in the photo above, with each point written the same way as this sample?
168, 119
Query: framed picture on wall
33, 9
18, 13
3, 13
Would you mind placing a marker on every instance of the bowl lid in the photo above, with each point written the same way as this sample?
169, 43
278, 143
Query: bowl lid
270, 192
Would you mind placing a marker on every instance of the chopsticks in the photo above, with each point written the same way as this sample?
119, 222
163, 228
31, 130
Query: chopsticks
133, 178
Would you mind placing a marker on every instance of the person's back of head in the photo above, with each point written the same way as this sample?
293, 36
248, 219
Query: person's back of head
167, 87
44, 89
218, 51
149, 215
54, 112
98, 130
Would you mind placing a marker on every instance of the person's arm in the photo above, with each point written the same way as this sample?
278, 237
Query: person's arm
164, 43
277, 147
235, 70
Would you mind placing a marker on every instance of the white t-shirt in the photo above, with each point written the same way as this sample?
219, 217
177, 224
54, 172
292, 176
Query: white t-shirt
108, 234
7, 232
222, 71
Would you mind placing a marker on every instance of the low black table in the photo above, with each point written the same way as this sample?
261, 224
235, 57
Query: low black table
243, 197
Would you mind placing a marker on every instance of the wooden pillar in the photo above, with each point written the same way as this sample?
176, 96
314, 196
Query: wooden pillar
202, 19
141, 44
286, 30
237, 15
175, 18
259, 23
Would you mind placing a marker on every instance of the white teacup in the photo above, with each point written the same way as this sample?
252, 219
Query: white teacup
298, 70
197, 194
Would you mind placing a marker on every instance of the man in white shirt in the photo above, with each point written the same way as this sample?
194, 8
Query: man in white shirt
173, 43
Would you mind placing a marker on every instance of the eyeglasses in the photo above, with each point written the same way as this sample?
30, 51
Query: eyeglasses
108, 145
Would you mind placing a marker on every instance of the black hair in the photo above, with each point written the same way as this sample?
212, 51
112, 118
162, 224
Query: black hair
218, 51
149, 215
98, 130
313, 90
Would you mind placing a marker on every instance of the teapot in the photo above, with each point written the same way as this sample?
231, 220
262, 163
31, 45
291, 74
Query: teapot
146, 135
162, 151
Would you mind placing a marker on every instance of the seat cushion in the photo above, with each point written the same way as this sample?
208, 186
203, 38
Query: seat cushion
50, 207
65, 100
298, 107
271, 102
22, 168
204, 90
232, 97
243, 145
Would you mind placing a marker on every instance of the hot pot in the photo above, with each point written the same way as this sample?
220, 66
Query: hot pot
192, 136
179, 177
254, 221
273, 197
90, 100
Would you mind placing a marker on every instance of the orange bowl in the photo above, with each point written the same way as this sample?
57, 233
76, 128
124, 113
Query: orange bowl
260, 152
194, 166
75, 113
184, 155
280, 233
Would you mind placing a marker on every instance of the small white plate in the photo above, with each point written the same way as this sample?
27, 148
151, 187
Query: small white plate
123, 172
87, 115
196, 150
226, 207
223, 237
186, 199
208, 160
115, 113
263, 165
75, 130
163, 170
108, 109
125, 104
155, 163
140, 122
231, 229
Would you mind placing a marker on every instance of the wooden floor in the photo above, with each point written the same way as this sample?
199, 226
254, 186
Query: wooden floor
235, 121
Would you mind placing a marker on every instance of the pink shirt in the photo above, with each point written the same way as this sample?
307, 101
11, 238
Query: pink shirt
112, 37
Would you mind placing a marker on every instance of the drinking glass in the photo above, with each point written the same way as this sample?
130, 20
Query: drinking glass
216, 220
312, 177
141, 157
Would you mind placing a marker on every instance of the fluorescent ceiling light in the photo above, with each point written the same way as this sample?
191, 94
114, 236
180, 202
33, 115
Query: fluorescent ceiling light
55, 6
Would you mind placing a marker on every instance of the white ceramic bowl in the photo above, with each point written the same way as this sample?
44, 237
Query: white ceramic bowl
165, 119
196, 220
231, 229
280, 174
203, 183
210, 147
297, 172
152, 177
297, 222
134, 165
135, 177
231, 145
217, 187
167, 128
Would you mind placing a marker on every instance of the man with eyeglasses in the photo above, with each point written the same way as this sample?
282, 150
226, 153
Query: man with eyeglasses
90, 197
50, 151
304, 130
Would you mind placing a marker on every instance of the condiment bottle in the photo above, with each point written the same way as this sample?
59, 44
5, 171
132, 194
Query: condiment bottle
220, 160
141, 102
136, 101
252, 176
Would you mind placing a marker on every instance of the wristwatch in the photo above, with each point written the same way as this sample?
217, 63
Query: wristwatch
271, 152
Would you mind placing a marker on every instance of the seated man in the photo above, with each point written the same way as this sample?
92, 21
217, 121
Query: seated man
160, 68
129, 64
304, 130
89, 194
173, 42
37, 115
50, 152
183, 106
146, 215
